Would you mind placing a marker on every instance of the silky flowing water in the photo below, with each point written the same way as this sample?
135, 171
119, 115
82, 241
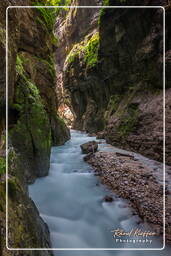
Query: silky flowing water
70, 200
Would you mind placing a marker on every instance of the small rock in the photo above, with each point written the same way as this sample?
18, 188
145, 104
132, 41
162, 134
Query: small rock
108, 199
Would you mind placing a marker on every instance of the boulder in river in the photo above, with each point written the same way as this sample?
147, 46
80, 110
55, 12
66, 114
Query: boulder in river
89, 147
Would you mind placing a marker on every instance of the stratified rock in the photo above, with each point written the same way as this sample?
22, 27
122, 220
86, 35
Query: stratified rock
89, 147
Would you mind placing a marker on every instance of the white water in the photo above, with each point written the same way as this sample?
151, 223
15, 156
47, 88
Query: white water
70, 200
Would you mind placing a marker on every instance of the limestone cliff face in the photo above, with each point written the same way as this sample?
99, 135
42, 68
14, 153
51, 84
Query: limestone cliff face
71, 29
113, 78
34, 125
32, 93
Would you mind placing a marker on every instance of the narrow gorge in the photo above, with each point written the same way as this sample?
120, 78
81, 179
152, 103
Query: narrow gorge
79, 75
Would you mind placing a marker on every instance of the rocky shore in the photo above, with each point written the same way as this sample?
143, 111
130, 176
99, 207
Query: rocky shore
130, 179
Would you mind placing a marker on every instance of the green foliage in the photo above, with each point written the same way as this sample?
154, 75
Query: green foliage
2, 165
75, 52
91, 51
19, 65
53, 39
50, 65
103, 10
88, 49
106, 2
56, 2
49, 14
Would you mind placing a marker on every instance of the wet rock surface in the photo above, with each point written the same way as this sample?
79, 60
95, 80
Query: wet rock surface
89, 147
132, 180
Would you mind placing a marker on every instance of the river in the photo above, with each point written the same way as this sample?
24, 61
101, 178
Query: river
70, 200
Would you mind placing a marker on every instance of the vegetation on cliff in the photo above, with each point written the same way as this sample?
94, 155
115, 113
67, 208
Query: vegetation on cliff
2, 165
108, 74
88, 49
33, 120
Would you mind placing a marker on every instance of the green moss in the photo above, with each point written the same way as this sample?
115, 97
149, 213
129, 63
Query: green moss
33, 117
106, 2
88, 49
32, 132
75, 52
53, 39
91, 50
13, 187
20, 230
61, 122
129, 121
2, 165
48, 15
19, 65
103, 10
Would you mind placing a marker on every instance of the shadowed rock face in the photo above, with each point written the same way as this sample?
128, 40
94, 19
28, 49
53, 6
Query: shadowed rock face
33, 121
121, 92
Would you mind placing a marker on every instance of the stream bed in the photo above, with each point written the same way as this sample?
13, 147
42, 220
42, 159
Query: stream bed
71, 201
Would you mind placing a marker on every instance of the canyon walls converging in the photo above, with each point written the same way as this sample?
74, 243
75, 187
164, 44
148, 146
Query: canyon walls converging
112, 76
100, 68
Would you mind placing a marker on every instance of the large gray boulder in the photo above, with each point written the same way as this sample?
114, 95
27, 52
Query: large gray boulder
89, 147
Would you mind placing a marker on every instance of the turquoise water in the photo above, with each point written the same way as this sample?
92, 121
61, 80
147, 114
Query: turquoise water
70, 200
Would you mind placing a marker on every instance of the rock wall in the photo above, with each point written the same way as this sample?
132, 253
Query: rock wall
32, 95
34, 125
71, 29
113, 78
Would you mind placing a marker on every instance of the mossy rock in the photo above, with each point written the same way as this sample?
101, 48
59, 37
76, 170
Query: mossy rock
31, 134
86, 50
2, 165
60, 132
